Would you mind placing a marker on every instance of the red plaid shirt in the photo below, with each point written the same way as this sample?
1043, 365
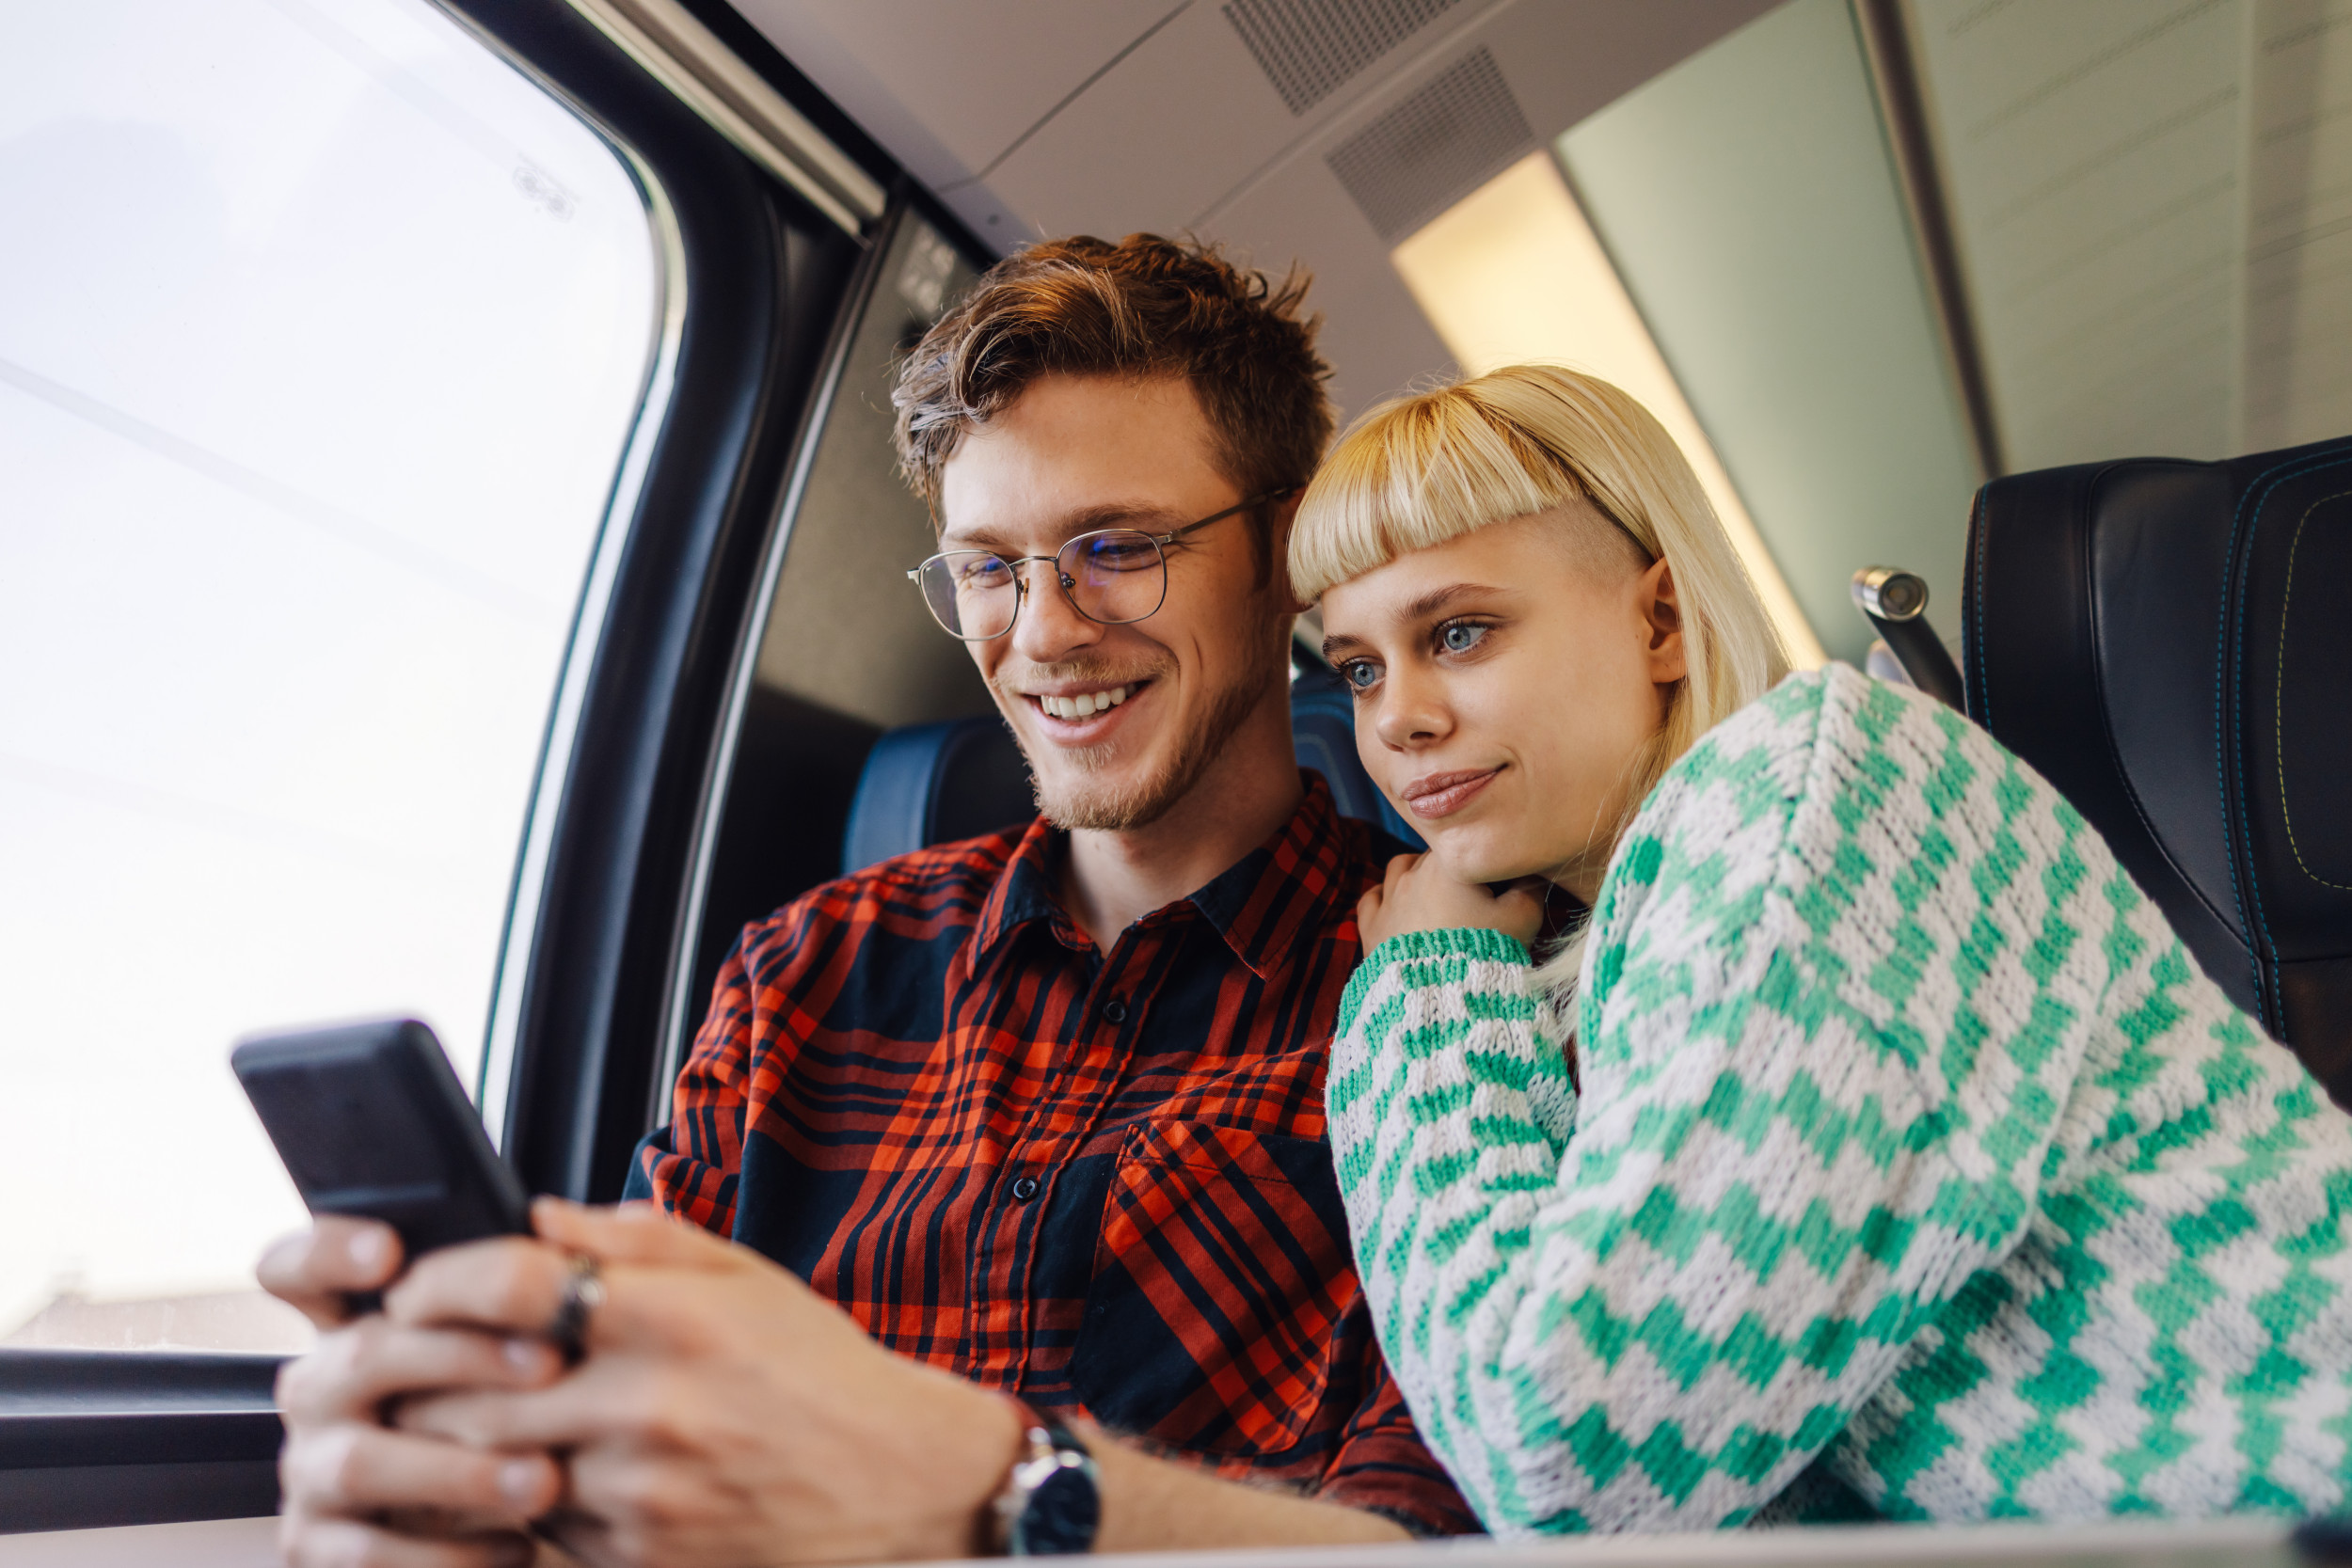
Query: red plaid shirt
1099, 1182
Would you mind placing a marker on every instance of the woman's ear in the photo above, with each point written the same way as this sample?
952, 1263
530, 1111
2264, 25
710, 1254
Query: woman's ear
1662, 613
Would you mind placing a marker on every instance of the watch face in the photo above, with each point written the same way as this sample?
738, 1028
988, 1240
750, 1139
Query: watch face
1062, 1517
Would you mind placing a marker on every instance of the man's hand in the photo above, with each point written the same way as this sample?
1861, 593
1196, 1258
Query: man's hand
724, 1414
1420, 895
358, 1492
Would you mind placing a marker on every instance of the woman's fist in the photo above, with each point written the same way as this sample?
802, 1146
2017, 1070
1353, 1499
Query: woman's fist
1419, 895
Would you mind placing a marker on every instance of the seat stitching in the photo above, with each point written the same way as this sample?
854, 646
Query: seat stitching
2278, 699
2268, 481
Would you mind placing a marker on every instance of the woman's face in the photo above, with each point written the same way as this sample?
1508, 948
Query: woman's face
1505, 684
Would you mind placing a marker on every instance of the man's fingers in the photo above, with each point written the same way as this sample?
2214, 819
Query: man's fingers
606, 1395
310, 1542
515, 1284
317, 1270
355, 1469
510, 1285
355, 1369
629, 1491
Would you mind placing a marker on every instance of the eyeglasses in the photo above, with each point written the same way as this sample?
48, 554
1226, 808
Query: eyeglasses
1112, 575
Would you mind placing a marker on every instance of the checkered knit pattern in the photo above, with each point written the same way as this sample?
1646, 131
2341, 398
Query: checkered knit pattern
1914, 1163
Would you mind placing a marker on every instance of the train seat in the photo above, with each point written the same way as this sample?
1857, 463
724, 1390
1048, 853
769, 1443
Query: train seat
2171, 644
933, 784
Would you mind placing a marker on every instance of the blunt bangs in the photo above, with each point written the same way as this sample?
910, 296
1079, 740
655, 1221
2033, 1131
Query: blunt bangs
1415, 472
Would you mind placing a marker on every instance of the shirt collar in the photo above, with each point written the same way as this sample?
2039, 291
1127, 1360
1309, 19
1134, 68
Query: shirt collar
1282, 889
1024, 889
1260, 905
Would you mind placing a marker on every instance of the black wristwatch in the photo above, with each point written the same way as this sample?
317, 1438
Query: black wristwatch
1050, 1506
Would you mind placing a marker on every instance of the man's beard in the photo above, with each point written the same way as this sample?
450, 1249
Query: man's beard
1113, 803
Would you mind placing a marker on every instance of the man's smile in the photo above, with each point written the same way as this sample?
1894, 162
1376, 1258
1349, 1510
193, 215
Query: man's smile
1080, 713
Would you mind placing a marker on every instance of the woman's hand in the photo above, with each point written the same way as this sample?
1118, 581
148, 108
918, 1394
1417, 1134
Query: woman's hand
1419, 893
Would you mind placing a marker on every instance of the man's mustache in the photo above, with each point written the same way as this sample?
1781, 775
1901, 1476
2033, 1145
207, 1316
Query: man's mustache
1012, 685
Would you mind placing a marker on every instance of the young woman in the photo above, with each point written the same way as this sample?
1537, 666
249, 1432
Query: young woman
1877, 1150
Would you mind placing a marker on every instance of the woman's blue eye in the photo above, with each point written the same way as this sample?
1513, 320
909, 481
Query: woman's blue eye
1360, 675
1460, 639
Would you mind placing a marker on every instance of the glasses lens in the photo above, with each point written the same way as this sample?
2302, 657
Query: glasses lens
1115, 575
972, 593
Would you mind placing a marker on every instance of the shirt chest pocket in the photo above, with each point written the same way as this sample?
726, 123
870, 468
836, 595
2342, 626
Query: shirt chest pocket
1224, 1297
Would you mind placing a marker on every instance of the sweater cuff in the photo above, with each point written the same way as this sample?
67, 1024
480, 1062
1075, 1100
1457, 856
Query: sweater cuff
1457, 941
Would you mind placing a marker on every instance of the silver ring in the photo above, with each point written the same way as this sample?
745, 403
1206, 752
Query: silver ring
583, 1293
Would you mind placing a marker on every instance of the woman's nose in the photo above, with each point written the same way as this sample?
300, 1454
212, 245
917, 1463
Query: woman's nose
1410, 713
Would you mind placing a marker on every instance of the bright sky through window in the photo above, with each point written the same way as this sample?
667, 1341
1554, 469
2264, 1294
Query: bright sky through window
321, 333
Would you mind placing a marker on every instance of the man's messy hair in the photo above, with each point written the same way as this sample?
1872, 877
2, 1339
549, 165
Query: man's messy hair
1144, 307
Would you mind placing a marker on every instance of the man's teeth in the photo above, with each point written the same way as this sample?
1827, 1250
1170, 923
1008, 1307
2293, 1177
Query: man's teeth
1085, 705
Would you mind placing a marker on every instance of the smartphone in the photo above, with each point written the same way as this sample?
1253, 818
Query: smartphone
371, 1120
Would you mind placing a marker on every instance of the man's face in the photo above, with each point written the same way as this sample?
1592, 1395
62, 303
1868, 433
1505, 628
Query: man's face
1071, 455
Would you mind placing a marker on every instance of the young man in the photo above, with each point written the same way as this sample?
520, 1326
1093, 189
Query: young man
1038, 1117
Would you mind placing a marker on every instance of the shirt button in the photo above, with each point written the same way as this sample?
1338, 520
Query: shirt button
1025, 1189
1115, 1010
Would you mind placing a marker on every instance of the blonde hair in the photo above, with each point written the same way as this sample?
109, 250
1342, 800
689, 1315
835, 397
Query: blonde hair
1417, 471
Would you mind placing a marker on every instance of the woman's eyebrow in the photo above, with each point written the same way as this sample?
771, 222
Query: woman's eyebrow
1421, 609
1338, 643
1438, 598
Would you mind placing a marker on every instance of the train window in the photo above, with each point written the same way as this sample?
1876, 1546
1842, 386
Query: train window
322, 333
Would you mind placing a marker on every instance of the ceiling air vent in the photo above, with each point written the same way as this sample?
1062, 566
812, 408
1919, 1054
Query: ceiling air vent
1309, 48
1434, 147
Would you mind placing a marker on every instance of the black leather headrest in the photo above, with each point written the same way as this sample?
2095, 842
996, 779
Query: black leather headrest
2171, 644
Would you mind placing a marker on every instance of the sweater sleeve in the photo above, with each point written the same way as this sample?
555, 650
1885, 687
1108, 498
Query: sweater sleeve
1654, 1309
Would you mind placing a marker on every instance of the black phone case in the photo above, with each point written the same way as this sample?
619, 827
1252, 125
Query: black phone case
371, 1121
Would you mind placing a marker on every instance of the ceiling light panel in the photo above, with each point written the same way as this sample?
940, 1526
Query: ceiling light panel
1513, 274
1748, 201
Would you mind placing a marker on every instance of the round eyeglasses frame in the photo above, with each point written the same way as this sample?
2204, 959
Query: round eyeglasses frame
1069, 583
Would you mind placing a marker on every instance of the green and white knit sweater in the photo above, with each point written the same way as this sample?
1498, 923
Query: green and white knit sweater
1916, 1165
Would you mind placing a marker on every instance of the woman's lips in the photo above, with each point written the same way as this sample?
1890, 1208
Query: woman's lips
1443, 794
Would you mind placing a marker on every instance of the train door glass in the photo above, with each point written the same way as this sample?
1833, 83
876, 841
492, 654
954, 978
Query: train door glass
322, 333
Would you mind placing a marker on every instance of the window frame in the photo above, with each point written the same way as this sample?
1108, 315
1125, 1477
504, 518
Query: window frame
585, 970
93, 1439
